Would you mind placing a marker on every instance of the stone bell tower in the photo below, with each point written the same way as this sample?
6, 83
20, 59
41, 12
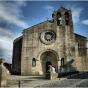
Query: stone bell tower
65, 36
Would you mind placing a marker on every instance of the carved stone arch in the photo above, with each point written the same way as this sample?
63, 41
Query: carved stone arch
59, 19
58, 14
49, 56
67, 18
51, 50
67, 14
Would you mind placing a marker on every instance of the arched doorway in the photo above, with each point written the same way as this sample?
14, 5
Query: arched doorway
48, 58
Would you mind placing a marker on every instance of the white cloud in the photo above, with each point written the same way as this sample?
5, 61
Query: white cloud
6, 44
6, 32
85, 22
6, 47
12, 13
76, 12
49, 9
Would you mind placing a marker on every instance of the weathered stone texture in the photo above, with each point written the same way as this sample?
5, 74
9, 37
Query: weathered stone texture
16, 58
66, 46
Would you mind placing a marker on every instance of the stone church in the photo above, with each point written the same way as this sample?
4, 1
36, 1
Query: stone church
52, 42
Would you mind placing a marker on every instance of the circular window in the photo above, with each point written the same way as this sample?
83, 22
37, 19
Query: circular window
48, 37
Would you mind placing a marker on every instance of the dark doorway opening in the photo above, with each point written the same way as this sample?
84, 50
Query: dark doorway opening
47, 65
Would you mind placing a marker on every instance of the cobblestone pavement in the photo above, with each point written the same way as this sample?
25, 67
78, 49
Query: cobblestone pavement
27, 81
80, 80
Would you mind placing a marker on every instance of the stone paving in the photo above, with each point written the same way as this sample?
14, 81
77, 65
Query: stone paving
80, 80
29, 81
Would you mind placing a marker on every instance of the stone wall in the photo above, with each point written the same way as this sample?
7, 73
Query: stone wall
16, 58
81, 52
33, 47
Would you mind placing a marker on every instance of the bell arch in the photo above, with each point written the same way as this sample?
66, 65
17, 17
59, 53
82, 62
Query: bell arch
66, 18
59, 19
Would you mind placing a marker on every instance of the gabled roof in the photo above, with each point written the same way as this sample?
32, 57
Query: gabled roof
36, 25
17, 39
80, 36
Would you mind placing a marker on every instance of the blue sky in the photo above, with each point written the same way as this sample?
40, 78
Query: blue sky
18, 15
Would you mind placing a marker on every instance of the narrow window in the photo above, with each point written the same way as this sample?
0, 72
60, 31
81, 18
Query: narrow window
33, 62
67, 18
62, 61
59, 20
52, 15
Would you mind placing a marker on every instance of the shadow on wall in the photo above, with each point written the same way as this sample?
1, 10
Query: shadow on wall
67, 69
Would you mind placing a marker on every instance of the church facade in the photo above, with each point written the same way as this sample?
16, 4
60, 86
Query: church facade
52, 42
